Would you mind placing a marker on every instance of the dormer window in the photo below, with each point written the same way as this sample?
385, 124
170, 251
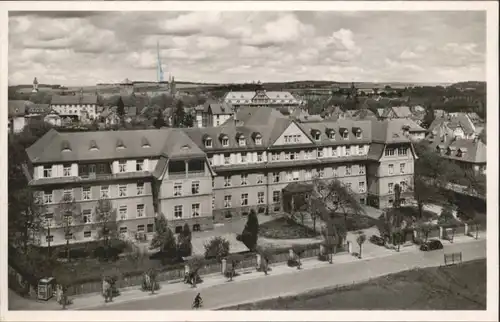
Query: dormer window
257, 137
344, 133
93, 146
330, 133
208, 142
316, 134
120, 144
65, 146
451, 149
241, 139
357, 132
224, 139
145, 143
461, 152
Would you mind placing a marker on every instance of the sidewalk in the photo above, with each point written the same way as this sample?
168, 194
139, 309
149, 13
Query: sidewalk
134, 293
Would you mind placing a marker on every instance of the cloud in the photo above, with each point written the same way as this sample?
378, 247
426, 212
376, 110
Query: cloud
82, 48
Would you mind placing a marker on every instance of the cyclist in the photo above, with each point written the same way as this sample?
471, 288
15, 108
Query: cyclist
198, 302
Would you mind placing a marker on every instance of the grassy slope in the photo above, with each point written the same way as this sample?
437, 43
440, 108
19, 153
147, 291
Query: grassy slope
437, 288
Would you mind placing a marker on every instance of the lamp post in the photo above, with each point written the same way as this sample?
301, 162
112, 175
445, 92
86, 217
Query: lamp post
48, 218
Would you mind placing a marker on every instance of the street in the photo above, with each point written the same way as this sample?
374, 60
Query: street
266, 287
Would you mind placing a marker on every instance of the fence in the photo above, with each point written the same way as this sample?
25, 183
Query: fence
452, 258
178, 274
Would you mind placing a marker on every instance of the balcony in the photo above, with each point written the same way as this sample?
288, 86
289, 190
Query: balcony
186, 175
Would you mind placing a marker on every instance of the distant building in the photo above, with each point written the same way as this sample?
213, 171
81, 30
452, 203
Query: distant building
74, 106
17, 115
212, 114
35, 86
397, 112
262, 98
460, 127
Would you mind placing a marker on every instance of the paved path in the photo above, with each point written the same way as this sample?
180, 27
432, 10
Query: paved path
315, 275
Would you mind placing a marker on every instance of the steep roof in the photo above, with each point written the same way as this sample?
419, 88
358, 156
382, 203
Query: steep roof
399, 111
17, 107
219, 108
350, 126
473, 151
73, 99
392, 131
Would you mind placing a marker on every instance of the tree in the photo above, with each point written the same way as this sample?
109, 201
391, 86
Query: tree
164, 239
429, 116
120, 108
188, 120
184, 246
265, 256
106, 223
250, 233
195, 263
179, 114
330, 240
397, 196
25, 218
361, 240
69, 218
217, 247
159, 121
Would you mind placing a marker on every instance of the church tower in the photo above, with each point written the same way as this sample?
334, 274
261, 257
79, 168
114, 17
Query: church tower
35, 86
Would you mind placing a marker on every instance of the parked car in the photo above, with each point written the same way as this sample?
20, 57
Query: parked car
432, 244
374, 239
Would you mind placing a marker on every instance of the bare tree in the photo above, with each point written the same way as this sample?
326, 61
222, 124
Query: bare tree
361, 240
69, 218
106, 223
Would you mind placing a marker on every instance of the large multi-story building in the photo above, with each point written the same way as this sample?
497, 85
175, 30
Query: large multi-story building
202, 176
212, 114
262, 98
76, 106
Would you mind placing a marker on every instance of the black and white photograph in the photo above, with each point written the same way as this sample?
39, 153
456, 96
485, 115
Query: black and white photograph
241, 157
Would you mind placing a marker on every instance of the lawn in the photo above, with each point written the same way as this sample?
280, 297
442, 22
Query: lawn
460, 287
285, 228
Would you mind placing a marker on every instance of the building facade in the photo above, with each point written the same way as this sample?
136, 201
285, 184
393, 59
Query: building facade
201, 176
262, 98
212, 114
76, 106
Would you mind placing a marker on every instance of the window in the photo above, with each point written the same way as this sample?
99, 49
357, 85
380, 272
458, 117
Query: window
308, 175
123, 212
361, 186
102, 168
87, 216
275, 156
391, 168
140, 210
335, 171
260, 197
244, 199
195, 209
287, 138
227, 181
213, 182
276, 177
358, 135
150, 228
362, 169
391, 187
123, 230
47, 171
260, 178
276, 196
347, 151
316, 135
67, 170
196, 227
177, 189
140, 188
227, 159
49, 238
320, 153
139, 165
361, 150
104, 192
403, 186
140, 228
402, 167
225, 142
122, 190
321, 173
122, 166
403, 151
258, 140
345, 135
208, 143
213, 202
288, 176
195, 187
348, 170
244, 158
86, 194
227, 201
242, 141
259, 157
67, 194
349, 185
389, 152
296, 175
244, 179
331, 135
87, 234
178, 211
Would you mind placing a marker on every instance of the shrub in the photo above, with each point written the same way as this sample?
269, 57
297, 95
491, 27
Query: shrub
217, 247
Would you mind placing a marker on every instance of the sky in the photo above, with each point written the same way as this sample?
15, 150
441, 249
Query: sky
85, 48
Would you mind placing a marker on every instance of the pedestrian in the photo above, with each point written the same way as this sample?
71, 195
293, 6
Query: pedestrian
198, 302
